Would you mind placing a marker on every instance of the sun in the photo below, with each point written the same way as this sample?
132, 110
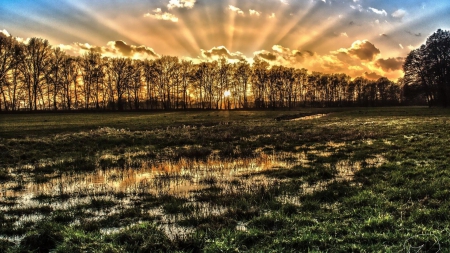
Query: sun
227, 93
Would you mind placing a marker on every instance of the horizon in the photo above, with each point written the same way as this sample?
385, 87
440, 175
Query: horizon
355, 37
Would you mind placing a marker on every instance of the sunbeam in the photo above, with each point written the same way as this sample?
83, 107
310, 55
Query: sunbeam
186, 28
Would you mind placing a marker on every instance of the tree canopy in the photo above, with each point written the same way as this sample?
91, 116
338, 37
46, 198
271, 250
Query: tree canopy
427, 70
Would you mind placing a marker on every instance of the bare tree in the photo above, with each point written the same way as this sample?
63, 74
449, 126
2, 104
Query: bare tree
34, 62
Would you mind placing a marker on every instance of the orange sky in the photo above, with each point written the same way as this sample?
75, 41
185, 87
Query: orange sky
357, 37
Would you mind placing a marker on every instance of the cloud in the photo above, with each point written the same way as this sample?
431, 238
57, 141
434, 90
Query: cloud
254, 13
235, 9
112, 49
399, 14
284, 1
189, 4
390, 64
360, 59
158, 14
379, 12
415, 34
400, 45
221, 51
363, 50
272, 15
82, 48
265, 55
286, 56
123, 48
4, 32
132, 51
357, 7
372, 75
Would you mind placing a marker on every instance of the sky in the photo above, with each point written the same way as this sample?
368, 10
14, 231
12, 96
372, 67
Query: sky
358, 37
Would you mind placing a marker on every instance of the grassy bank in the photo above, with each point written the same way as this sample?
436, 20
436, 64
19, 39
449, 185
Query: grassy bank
359, 179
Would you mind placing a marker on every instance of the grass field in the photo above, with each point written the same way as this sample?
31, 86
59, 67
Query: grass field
349, 179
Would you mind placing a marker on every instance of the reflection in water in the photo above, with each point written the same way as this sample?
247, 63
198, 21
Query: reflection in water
174, 177
126, 186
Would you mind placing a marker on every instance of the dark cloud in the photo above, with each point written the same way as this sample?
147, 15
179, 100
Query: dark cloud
146, 50
414, 34
116, 48
390, 64
131, 50
268, 56
222, 52
364, 50
125, 49
372, 76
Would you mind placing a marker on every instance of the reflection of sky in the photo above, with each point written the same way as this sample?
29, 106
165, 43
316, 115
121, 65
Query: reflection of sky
242, 27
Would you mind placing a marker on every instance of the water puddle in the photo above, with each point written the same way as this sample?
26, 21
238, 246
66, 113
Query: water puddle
165, 190
300, 116
316, 116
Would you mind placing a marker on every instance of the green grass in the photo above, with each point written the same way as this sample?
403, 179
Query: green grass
397, 198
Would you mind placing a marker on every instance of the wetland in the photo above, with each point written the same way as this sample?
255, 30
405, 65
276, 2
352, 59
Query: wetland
339, 180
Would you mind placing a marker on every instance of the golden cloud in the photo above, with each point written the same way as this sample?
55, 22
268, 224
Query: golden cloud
235, 9
221, 51
362, 49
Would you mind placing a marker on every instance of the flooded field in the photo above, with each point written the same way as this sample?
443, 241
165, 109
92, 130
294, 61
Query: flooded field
107, 190
253, 181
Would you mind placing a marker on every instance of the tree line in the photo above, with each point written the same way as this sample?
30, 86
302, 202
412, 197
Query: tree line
427, 70
37, 76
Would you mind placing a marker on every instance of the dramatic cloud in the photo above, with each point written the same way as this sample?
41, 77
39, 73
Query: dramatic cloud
364, 50
112, 49
254, 13
358, 60
221, 51
158, 14
390, 64
235, 9
181, 4
286, 56
399, 13
379, 12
